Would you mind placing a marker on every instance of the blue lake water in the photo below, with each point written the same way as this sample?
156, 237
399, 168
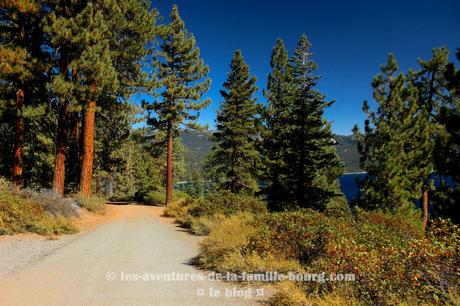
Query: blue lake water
349, 186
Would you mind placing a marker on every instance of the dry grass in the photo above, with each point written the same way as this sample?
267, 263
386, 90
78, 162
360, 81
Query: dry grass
204, 225
176, 209
19, 215
225, 242
288, 294
93, 203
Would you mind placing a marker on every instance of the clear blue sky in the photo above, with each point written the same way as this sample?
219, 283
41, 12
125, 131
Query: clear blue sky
350, 40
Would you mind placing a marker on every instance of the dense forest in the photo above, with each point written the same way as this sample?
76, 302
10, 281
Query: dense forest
198, 144
70, 128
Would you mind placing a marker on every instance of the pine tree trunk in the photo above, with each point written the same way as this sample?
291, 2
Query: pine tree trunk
425, 207
74, 153
88, 150
18, 140
61, 145
74, 132
169, 166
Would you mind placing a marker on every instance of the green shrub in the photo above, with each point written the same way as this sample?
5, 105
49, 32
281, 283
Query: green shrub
338, 207
201, 207
158, 197
201, 214
49, 226
177, 209
179, 194
203, 225
52, 202
199, 225
395, 263
226, 249
228, 204
154, 197
391, 258
289, 235
224, 242
92, 203
18, 214
21, 214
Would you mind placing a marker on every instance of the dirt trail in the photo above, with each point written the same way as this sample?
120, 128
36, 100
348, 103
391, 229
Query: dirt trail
120, 263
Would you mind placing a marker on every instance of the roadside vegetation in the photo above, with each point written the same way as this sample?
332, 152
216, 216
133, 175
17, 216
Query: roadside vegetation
42, 212
389, 257
157, 196
92, 203
200, 215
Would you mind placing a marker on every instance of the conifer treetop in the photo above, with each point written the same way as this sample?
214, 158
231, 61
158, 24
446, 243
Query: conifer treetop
182, 78
234, 160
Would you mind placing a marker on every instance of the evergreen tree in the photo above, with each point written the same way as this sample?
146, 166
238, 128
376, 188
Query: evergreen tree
21, 66
25, 118
39, 145
86, 71
438, 82
131, 41
100, 46
234, 158
432, 96
313, 166
396, 147
279, 94
182, 80
114, 146
124, 165
196, 184
64, 80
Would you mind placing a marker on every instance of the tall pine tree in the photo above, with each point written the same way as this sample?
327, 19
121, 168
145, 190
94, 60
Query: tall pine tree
234, 158
182, 81
279, 94
438, 94
21, 65
100, 47
432, 96
396, 147
313, 166
85, 73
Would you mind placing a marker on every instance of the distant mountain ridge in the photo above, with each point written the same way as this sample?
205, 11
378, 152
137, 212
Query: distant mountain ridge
198, 145
348, 152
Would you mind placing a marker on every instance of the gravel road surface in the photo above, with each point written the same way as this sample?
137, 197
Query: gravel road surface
138, 258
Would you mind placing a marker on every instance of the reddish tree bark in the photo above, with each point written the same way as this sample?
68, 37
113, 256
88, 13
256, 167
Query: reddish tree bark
88, 150
61, 146
425, 207
18, 140
169, 170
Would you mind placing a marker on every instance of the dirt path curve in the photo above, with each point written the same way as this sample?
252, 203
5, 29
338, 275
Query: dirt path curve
100, 267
